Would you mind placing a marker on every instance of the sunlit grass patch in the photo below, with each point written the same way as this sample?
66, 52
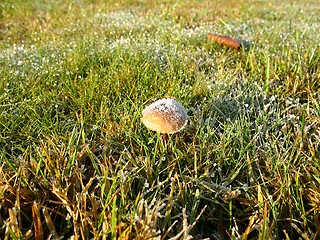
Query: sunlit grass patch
76, 161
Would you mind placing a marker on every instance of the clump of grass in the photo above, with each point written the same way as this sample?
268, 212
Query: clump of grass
76, 162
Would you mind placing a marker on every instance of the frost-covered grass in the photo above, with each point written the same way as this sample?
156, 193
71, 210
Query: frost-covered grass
76, 162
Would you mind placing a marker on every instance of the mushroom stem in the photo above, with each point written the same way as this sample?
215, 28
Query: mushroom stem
165, 137
165, 143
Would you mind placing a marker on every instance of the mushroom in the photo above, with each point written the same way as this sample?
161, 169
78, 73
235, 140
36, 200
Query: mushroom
166, 116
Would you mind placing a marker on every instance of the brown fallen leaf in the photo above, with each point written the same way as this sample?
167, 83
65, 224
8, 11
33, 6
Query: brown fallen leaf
225, 40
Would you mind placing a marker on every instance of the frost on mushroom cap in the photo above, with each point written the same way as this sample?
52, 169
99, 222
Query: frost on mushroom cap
165, 116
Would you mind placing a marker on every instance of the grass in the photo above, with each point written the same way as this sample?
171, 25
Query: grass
76, 162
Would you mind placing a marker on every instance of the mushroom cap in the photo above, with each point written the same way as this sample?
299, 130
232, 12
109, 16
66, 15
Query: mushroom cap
165, 116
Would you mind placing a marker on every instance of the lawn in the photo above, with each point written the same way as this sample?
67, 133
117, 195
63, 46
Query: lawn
76, 162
